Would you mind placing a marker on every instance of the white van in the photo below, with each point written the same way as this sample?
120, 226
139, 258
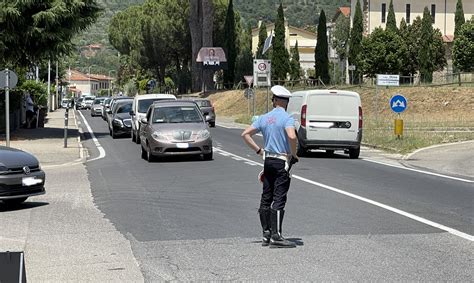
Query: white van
139, 108
328, 120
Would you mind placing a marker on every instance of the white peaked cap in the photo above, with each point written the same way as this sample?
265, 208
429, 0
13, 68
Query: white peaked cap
280, 91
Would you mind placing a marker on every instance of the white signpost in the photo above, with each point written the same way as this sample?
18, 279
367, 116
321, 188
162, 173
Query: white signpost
388, 80
262, 72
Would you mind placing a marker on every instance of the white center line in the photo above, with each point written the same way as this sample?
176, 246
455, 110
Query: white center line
366, 200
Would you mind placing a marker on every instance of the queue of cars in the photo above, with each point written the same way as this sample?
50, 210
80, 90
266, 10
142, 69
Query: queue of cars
161, 124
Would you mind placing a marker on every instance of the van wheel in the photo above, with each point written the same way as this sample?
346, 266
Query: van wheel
133, 137
143, 151
354, 153
300, 150
212, 124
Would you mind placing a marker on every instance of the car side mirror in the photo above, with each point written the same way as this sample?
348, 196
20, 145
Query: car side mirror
208, 118
144, 121
132, 113
109, 111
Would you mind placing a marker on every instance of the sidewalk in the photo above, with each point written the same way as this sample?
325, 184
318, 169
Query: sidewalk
450, 159
64, 236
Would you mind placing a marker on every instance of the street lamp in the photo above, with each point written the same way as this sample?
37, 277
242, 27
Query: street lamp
110, 81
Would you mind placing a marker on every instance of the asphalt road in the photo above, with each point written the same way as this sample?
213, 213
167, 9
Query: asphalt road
189, 219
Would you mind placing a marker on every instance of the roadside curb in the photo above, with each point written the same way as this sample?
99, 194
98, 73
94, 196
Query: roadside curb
408, 156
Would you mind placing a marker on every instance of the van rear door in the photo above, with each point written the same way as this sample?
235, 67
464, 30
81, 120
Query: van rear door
348, 116
321, 113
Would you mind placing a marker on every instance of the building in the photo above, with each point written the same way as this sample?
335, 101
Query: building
85, 84
375, 13
306, 43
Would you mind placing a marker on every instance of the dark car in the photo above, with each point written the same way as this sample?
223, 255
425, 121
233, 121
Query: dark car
207, 110
110, 108
20, 176
173, 128
120, 123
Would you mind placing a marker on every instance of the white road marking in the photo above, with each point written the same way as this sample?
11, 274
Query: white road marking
372, 202
94, 139
419, 171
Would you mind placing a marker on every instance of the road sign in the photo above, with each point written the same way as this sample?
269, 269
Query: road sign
13, 79
248, 93
398, 103
262, 72
249, 80
351, 67
388, 80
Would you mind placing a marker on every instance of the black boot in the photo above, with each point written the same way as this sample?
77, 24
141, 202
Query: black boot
277, 240
265, 221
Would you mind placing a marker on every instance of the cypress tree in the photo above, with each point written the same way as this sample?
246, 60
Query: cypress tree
458, 18
391, 21
355, 43
295, 65
262, 35
280, 56
425, 55
231, 52
321, 51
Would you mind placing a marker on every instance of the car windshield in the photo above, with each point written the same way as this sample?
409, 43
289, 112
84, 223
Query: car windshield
107, 101
145, 103
203, 103
124, 108
176, 114
98, 101
88, 98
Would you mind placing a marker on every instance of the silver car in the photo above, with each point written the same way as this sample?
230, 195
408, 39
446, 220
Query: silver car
175, 128
20, 176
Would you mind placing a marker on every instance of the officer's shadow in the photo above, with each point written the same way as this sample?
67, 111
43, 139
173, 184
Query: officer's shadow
297, 241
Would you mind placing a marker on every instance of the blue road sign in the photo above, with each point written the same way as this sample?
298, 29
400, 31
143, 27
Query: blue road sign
398, 103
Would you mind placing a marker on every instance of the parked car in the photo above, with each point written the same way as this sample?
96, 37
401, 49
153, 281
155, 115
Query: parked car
65, 102
140, 106
175, 128
207, 110
20, 176
327, 119
105, 107
97, 105
87, 103
120, 123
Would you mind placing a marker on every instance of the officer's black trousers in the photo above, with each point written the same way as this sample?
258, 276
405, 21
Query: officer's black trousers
276, 183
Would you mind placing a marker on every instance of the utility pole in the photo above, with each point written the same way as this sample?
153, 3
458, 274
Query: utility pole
49, 86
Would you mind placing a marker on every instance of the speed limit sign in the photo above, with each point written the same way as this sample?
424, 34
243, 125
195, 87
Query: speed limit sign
262, 72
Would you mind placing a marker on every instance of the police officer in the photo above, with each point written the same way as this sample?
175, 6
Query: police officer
278, 130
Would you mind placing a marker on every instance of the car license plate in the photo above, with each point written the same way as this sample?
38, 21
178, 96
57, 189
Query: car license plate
31, 181
182, 145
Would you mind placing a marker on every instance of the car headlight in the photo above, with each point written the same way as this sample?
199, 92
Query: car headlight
118, 122
204, 134
3, 169
159, 136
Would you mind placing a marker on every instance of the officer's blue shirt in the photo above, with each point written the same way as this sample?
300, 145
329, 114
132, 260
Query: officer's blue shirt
272, 126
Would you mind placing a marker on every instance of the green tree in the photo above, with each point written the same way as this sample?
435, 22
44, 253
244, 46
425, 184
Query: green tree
458, 18
36, 30
280, 56
321, 51
244, 64
355, 42
463, 50
383, 52
425, 53
409, 35
341, 34
262, 35
295, 66
230, 46
391, 21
